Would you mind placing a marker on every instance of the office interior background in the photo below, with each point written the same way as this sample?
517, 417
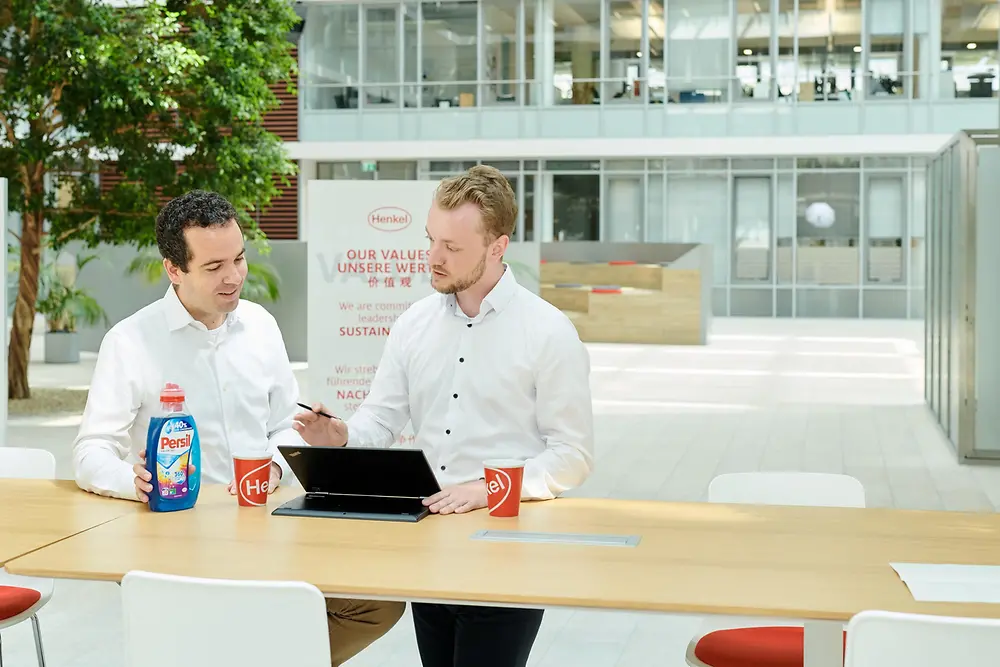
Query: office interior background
619, 121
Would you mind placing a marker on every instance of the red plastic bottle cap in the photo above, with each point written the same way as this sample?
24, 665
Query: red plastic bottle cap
606, 290
171, 393
621, 262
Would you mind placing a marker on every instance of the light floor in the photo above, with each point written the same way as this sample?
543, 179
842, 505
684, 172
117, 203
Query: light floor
834, 396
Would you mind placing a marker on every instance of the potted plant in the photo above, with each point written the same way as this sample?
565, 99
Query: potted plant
65, 306
261, 283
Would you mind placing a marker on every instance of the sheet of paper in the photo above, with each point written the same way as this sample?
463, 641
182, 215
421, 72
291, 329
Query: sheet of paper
933, 582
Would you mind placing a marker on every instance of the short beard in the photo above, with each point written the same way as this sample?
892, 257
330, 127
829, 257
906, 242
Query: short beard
467, 281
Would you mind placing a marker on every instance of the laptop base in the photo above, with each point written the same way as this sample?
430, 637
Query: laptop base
367, 508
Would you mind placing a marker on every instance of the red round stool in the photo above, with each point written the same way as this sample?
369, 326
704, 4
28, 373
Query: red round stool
15, 600
753, 647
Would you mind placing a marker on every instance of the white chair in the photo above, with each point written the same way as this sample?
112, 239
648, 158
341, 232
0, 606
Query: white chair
210, 622
743, 641
22, 597
888, 639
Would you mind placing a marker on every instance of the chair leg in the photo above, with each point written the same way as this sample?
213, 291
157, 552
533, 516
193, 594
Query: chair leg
38, 641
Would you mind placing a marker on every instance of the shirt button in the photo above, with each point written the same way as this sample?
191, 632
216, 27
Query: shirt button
469, 325
444, 467
447, 431
454, 395
461, 360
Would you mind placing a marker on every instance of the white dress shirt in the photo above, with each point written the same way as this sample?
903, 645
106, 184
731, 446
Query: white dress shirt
238, 385
512, 382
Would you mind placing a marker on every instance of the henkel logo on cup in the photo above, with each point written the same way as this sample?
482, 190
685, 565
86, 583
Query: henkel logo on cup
253, 479
503, 486
390, 219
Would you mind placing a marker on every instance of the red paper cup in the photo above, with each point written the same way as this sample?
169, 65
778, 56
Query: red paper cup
253, 477
503, 486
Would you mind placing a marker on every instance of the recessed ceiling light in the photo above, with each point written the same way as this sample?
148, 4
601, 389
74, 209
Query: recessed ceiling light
747, 52
970, 45
857, 49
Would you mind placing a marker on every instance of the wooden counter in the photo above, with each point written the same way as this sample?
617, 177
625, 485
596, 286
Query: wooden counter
787, 562
36, 513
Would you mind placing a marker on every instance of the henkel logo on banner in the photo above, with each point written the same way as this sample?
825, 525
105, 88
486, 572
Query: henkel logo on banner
390, 219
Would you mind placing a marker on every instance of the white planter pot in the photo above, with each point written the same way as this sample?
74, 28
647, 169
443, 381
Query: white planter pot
62, 347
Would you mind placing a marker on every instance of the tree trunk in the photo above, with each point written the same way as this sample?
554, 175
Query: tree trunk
24, 308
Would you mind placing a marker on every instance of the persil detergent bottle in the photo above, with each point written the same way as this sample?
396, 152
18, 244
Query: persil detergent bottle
173, 454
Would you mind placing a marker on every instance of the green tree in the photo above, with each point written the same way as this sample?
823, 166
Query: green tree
172, 93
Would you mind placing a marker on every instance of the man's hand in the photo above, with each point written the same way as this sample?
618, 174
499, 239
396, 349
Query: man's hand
272, 484
458, 499
142, 477
318, 430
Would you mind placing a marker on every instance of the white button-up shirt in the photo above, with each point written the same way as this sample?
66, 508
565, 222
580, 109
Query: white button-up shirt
238, 385
512, 382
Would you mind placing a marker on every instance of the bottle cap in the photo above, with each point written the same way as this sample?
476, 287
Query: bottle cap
171, 393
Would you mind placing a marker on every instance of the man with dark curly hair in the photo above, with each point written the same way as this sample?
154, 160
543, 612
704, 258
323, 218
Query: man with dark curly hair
228, 356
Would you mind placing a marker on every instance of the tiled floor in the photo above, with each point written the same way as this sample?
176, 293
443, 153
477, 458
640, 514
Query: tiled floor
837, 396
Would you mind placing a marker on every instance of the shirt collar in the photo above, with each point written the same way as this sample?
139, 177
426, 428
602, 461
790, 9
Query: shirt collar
498, 297
503, 291
178, 316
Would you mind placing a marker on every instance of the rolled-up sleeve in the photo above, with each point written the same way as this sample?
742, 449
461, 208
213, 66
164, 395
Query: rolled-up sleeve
565, 416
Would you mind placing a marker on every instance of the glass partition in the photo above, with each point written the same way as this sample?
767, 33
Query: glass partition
962, 318
443, 54
790, 237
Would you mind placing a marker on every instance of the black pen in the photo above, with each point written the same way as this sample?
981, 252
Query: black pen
319, 412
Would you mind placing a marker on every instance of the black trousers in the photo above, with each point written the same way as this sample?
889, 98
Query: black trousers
469, 636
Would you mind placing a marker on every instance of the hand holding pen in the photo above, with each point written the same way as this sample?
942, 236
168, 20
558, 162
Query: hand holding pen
319, 428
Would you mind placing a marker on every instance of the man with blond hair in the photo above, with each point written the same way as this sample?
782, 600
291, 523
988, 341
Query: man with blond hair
484, 369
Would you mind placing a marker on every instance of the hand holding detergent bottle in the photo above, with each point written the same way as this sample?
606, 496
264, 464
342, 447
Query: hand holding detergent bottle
173, 454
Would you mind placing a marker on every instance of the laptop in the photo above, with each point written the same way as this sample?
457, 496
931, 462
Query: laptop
359, 483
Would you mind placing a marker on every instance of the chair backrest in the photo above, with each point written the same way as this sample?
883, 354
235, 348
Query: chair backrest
26, 462
888, 639
171, 620
787, 488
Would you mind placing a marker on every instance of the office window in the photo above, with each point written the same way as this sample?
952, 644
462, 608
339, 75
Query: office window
828, 227
450, 54
754, 73
830, 58
330, 62
625, 79
887, 70
698, 212
576, 52
968, 49
501, 55
382, 66
885, 222
576, 207
699, 58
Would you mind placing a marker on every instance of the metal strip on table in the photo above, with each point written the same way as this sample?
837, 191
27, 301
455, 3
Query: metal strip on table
595, 540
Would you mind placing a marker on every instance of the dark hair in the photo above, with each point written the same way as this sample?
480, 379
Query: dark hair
197, 208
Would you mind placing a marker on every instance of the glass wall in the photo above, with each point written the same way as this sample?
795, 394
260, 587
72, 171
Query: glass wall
791, 237
472, 53
962, 325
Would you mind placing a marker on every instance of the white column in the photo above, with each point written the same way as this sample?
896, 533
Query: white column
307, 172
545, 47
543, 204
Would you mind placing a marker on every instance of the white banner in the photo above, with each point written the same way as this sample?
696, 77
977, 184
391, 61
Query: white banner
367, 263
